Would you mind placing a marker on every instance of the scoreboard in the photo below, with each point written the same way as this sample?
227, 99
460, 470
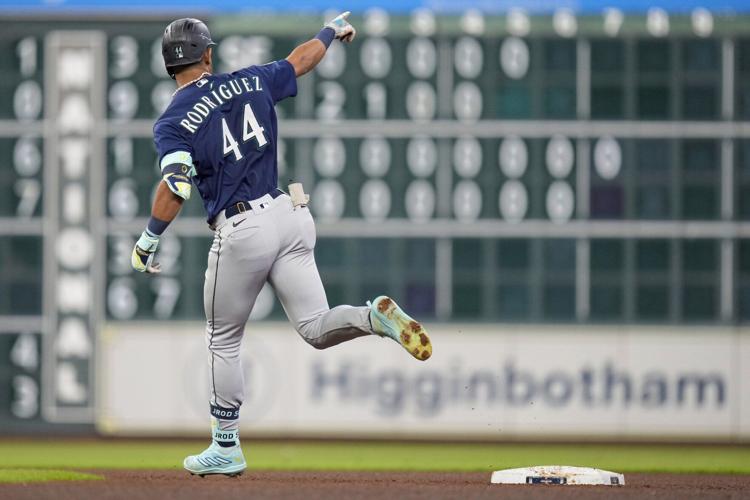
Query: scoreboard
499, 169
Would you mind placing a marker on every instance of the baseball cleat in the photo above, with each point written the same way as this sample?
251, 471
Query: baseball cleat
217, 460
389, 320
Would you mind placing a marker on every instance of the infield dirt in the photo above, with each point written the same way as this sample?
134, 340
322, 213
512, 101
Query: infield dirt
142, 485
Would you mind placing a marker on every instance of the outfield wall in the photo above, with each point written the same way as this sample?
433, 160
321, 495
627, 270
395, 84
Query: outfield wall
483, 382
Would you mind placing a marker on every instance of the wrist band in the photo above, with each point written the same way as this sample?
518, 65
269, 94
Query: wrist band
156, 226
326, 36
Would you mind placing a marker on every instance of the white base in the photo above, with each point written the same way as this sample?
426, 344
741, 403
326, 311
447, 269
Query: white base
557, 474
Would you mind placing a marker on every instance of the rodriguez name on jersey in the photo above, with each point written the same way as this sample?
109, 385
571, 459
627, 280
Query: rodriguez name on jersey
216, 97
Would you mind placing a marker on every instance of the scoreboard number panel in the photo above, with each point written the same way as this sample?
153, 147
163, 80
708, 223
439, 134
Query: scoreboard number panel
21, 184
20, 376
21, 155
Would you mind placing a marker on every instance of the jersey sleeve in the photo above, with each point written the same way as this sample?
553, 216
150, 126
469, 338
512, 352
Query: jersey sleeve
175, 159
170, 143
280, 77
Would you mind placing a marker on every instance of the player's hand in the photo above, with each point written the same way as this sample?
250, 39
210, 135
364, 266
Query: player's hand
344, 31
142, 258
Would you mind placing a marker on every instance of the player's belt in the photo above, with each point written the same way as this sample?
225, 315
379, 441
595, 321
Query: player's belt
244, 206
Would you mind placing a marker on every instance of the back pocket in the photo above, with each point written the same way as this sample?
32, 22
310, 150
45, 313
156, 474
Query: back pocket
250, 248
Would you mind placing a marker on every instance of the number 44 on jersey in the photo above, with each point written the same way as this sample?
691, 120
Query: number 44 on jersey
251, 129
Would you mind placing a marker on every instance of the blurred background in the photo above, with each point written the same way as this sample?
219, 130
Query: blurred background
559, 190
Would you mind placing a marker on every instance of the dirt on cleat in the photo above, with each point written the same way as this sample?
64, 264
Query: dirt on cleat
384, 305
416, 341
410, 333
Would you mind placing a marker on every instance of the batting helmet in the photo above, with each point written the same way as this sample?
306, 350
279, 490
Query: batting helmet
184, 42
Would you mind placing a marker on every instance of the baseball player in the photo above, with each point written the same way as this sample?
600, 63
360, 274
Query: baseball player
219, 133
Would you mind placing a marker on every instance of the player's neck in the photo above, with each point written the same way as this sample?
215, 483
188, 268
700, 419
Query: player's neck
190, 75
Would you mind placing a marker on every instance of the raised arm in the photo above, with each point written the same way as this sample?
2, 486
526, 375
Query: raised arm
306, 56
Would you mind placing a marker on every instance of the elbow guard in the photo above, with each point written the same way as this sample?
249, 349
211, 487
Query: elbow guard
176, 170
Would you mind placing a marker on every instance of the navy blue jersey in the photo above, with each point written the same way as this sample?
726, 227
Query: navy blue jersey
224, 128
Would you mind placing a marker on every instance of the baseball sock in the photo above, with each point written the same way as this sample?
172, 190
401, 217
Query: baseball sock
225, 431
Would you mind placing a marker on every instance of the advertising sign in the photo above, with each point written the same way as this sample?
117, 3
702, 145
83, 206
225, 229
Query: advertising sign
483, 382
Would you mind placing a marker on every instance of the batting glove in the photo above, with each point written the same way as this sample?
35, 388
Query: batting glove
343, 30
143, 254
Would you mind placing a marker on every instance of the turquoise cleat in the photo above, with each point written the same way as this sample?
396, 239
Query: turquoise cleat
389, 320
217, 460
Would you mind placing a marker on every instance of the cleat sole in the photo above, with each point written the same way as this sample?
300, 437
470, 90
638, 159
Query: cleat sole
412, 335
215, 472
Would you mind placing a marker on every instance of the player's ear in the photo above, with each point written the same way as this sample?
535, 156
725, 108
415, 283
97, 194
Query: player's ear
207, 55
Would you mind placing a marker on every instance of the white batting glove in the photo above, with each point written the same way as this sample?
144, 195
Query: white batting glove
142, 258
344, 31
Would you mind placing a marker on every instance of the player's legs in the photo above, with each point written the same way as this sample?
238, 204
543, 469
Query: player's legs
295, 277
238, 265
298, 286
243, 250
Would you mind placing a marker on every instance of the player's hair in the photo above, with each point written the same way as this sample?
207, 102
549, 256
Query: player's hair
179, 69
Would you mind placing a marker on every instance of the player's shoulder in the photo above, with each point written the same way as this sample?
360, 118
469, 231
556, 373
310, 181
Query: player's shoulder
169, 112
184, 98
169, 119
170, 136
166, 122
246, 71
263, 69
167, 125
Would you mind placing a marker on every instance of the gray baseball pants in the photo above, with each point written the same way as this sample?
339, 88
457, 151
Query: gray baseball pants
273, 242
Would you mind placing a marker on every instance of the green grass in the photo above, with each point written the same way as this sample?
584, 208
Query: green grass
114, 454
43, 475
